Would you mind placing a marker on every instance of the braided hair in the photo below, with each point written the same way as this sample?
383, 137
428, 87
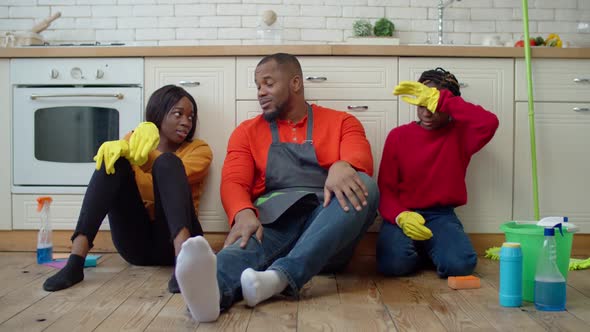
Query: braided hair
442, 79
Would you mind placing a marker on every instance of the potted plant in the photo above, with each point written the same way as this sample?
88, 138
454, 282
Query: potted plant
384, 28
364, 33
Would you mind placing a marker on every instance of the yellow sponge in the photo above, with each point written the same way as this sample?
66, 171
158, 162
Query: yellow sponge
464, 282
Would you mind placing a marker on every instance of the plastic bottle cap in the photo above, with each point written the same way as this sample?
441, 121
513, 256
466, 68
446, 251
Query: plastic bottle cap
42, 200
549, 232
511, 245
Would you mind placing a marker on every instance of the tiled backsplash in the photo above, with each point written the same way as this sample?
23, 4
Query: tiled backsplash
219, 22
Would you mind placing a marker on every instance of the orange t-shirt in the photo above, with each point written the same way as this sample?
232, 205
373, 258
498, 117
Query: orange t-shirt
196, 157
336, 136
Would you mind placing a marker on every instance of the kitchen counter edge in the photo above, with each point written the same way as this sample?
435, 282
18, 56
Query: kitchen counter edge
319, 50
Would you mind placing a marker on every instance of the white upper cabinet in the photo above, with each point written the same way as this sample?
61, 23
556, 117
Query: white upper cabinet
342, 78
489, 83
211, 82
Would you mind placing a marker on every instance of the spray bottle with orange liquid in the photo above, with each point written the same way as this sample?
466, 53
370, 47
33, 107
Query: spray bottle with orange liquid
44, 243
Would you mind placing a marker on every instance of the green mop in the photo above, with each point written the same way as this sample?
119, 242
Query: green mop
494, 252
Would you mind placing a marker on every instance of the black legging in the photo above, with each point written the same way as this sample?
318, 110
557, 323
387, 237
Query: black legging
139, 240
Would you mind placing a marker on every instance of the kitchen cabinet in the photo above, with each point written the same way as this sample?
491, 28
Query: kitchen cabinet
561, 90
211, 82
5, 145
487, 82
359, 86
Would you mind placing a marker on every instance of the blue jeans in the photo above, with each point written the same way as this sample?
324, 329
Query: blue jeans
449, 249
298, 246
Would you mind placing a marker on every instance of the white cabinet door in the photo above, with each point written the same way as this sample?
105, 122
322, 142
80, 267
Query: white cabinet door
5, 146
562, 136
487, 82
377, 117
211, 82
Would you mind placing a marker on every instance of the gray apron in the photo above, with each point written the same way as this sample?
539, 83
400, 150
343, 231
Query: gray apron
294, 177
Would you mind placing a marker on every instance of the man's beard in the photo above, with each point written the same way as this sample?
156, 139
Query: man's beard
274, 114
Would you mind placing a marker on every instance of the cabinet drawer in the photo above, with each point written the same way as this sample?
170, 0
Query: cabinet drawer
555, 80
332, 77
64, 212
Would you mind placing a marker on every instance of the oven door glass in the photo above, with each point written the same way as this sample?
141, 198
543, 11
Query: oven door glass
73, 134
58, 130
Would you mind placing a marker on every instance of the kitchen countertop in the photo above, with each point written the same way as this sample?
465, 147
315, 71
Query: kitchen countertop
256, 50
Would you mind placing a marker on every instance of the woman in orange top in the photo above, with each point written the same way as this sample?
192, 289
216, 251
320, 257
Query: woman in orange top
151, 195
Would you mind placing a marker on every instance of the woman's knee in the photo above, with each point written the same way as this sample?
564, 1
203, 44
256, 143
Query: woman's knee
457, 266
397, 265
167, 162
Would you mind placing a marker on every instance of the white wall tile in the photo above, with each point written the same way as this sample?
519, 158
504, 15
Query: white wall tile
96, 23
153, 10
28, 12
151, 34
220, 21
322, 35
322, 11
194, 10
119, 35
195, 33
112, 11
136, 22
360, 12
178, 22
74, 11
233, 9
302, 21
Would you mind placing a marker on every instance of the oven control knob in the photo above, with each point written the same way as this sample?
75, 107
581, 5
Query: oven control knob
99, 73
76, 73
54, 73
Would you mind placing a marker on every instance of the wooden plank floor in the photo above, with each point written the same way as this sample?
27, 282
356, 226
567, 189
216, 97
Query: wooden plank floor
117, 296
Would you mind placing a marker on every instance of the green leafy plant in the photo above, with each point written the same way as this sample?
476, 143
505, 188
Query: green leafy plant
384, 28
362, 28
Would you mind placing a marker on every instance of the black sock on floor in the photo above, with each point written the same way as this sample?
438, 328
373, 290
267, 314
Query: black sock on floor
173, 285
68, 276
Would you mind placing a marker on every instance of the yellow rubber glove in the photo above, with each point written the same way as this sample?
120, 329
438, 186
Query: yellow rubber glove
412, 224
110, 152
422, 94
144, 139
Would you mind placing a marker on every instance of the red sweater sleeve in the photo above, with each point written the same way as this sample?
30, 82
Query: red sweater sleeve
237, 174
354, 146
479, 125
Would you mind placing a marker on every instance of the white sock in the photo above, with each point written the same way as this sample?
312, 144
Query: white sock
196, 273
259, 286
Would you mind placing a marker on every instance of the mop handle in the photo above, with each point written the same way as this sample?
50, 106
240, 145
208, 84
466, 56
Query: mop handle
527, 57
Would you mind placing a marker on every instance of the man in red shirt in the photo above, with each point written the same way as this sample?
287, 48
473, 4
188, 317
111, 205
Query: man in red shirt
297, 189
422, 178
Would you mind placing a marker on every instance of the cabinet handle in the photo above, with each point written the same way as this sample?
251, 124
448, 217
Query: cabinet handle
582, 80
463, 85
189, 83
316, 78
117, 95
581, 109
357, 108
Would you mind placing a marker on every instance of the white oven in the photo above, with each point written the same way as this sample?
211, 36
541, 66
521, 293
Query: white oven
63, 110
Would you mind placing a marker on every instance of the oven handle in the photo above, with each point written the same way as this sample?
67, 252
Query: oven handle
117, 95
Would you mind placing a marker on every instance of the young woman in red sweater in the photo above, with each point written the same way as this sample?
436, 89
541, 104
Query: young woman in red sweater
422, 178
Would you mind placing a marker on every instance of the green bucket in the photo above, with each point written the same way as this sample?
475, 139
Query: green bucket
531, 240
